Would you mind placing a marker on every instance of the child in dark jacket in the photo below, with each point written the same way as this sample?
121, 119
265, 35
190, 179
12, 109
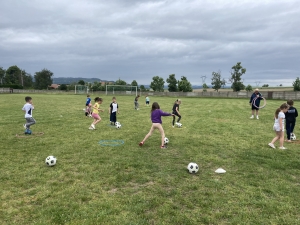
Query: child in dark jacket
290, 119
156, 114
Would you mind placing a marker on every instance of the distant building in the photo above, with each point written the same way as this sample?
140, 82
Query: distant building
53, 86
106, 82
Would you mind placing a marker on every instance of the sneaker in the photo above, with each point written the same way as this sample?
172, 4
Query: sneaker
271, 145
252, 117
163, 146
91, 128
257, 117
173, 126
283, 148
24, 125
141, 143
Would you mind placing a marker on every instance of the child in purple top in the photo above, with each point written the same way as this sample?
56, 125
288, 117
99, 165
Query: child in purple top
156, 114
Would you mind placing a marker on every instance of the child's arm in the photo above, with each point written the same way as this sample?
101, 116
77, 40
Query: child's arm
177, 111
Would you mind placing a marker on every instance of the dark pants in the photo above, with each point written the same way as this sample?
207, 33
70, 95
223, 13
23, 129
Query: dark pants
29, 121
179, 118
113, 117
289, 126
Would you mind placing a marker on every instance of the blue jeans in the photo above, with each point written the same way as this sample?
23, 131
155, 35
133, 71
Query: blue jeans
289, 126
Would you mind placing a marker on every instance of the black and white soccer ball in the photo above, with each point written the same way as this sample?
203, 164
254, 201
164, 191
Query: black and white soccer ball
117, 123
118, 126
193, 167
179, 125
50, 160
166, 140
293, 136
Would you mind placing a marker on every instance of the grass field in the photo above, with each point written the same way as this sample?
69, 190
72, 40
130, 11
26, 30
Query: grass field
129, 184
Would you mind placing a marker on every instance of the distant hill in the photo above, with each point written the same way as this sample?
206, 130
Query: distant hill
69, 80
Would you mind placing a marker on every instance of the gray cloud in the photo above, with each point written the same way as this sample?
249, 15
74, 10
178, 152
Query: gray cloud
141, 39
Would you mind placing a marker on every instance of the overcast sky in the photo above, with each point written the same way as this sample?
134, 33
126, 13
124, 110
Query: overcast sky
136, 40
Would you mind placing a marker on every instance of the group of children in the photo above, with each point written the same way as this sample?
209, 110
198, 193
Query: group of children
288, 113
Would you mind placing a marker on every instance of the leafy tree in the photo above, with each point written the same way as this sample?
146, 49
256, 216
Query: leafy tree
184, 85
13, 75
205, 87
2, 74
81, 82
216, 81
296, 84
236, 74
249, 88
96, 86
142, 88
172, 87
43, 79
134, 83
280, 85
63, 87
27, 79
120, 82
157, 84
265, 85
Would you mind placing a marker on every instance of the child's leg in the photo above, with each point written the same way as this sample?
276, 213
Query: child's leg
257, 112
149, 133
30, 121
173, 122
288, 130
97, 120
281, 138
292, 126
179, 118
162, 132
277, 136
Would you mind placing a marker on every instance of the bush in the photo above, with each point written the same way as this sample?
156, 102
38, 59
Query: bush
14, 86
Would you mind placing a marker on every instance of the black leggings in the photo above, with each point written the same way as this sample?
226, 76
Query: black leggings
179, 118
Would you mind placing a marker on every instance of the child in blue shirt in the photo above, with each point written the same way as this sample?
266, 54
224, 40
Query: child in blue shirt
88, 111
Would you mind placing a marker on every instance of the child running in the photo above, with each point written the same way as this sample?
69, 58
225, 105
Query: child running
136, 102
147, 100
95, 114
290, 119
279, 125
88, 104
113, 110
176, 111
27, 108
156, 114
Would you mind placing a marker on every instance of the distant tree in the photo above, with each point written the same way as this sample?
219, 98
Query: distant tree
184, 85
43, 79
236, 74
120, 82
280, 85
2, 75
216, 81
81, 82
172, 87
205, 87
249, 88
63, 87
13, 75
96, 86
265, 85
134, 83
142, 88
296, 84
157, 84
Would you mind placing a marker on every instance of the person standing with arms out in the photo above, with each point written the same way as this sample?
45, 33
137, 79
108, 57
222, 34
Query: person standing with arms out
290, 119
113, 110
95, 114
136, 103
27, 108
147, 100
88, 111
279, 125
156, 114
175, 111
255, 103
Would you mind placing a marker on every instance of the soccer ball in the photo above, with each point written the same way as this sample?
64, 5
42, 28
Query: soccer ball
193, 167
166, 140
293, 136
28, 132
179, 125
117, 123
50, 160
118, 126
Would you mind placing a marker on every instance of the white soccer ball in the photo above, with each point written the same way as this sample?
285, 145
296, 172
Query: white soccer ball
50, 160
117, 123
193, 167
293, 137
118, 126
179, 125
166, 140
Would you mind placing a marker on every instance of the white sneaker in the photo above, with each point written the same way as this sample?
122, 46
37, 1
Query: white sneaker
176, 123
252, 117
24, 125
257, 117
93, 126
271, 145
283, 148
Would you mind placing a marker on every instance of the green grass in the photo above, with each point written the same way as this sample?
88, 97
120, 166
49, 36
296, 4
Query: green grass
128, 184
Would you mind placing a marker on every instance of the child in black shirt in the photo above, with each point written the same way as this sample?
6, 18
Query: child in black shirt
290, 119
